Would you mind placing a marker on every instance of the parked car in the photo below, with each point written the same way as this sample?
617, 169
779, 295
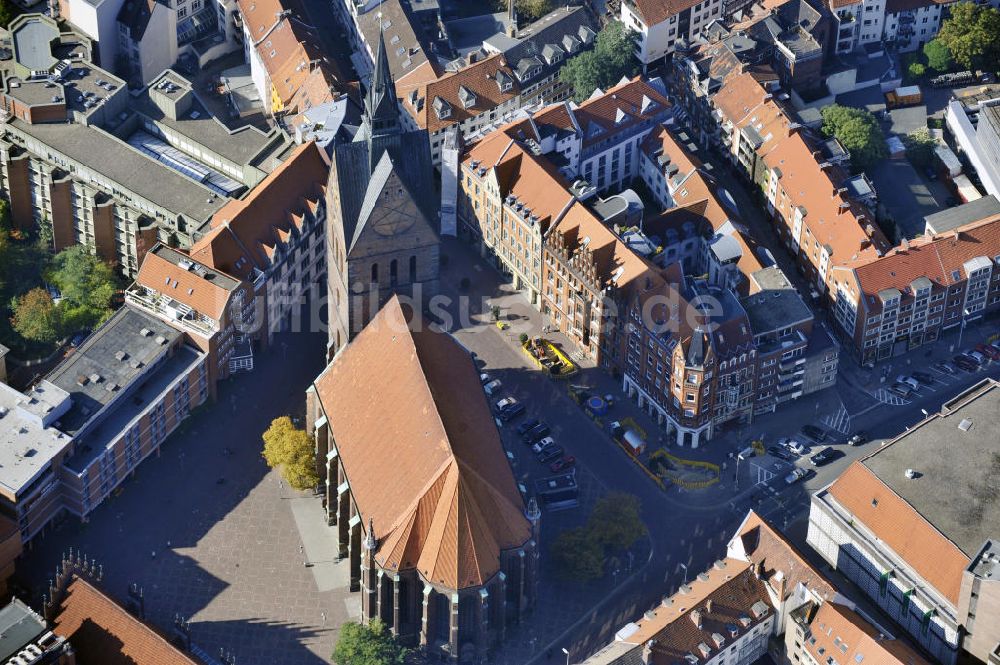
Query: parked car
513, 411
485, 378
822, 457
527, 426
779, 452
550, 454
493, 387
795, 476
542, 444
965, 363
792, 445
817, 434
945, 366
562, 464
859, 438
977, 357
908, 380
989, 351
924, 378
533, 435
902, 389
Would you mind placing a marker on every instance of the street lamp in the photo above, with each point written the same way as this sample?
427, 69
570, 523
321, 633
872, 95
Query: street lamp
961, 328
567, 655
684, 566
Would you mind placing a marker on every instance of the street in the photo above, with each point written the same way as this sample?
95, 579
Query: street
688, 530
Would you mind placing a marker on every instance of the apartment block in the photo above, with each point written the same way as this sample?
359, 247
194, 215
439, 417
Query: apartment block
130, 384
217, 312
126, 170
273, 239
764, 600
664, 26
910, 526
908, 297
905, 24
509, 73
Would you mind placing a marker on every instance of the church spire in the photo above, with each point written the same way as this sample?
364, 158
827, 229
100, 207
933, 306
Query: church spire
381, 106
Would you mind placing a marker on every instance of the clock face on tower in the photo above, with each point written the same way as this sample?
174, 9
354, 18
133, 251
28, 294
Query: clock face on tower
394, 214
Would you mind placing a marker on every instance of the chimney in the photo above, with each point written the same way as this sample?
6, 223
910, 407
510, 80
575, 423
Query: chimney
647, 652
472, 57
708, 606
696, 618
781, 585
758, 570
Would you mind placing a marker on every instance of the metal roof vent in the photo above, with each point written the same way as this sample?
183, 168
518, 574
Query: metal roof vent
95, 378
911, 474
965, 425
146, 332
161, 340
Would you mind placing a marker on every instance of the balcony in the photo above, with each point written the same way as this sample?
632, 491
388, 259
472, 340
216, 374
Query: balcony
168, 308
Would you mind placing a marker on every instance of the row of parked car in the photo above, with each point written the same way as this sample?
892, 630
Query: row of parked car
533, 432
970, 361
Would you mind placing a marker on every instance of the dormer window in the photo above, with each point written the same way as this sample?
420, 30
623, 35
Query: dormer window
552, 53
442, 108
466, 96
504, 81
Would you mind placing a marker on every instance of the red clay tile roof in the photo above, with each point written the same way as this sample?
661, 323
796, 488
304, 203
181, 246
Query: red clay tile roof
733, 591
421, 452
187, 287
615, 261
900, 527
480, 78
103, 632
842, 633
935, 258
658, 11
764, 545
248, 228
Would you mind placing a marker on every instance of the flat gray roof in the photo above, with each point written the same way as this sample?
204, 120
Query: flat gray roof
952, 218
98, 372
122, 164
26, 446
957, 456
33, 44
36, 92
777, 305
94, 442
245, 145
84, 81
19, 627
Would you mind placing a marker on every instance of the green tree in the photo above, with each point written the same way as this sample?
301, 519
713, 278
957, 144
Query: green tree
8, 11
45, 232
920, 147
938, 56
367, 645
916, 70
858, 130
603, 66
972, 35
615, 522
87, 285
532, 10
578, 556
36, 317
291, 450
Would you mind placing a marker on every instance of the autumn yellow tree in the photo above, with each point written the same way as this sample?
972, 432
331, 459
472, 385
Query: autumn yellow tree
291, 451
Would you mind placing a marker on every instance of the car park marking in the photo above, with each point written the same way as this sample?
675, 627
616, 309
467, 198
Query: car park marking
839, 421
886, 397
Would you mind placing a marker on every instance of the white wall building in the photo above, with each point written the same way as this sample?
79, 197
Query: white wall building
660, 24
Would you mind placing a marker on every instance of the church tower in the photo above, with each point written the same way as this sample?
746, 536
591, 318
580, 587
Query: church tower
383, 214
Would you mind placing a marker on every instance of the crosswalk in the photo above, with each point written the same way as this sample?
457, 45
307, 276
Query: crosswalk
889, 398
839, 421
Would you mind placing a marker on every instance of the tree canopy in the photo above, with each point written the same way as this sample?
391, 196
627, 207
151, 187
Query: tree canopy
613, 526
291, 450
578, 555
36, 317
858, 131
87, 285
972, 35
532, 10
8, 11
615, 521
367, 645
920, 147
938, 56
605, 64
